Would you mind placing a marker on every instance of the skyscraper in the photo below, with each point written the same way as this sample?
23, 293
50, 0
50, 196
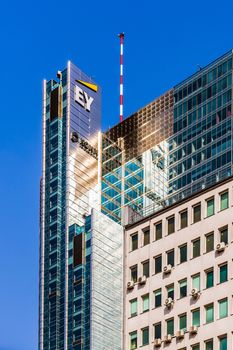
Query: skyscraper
79, 285
100, 191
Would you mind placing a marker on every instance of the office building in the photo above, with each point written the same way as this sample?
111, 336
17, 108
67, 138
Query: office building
178, 275
80, 281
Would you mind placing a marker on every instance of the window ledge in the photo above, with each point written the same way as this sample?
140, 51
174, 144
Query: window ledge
209, 216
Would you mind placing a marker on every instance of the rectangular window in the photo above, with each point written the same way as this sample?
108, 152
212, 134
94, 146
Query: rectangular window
170, 326
171, 225
134, 241
133, 307
223, 273
146, 237
170, 291
223, 343
197, 213
196, 248
209, 309
145, 303
145, 336
223, 308
146, 268
196, 282
209, 278
184, 219
158, 330
183, 288
158, 264
158, 297
171, 257
196, 317
210, 207
196, 347
183, 253
209, 345
133, 340
158, 231
209, 242
183, 322
224, 235
224, 200
134, 273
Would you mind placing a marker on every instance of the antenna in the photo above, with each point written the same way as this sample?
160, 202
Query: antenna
121, 36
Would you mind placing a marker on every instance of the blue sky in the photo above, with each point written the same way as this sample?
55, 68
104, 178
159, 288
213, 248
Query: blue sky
164, 43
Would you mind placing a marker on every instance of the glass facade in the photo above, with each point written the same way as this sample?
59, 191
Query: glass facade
201, 146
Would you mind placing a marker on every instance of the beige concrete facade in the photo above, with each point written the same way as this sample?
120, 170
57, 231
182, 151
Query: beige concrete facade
217, 295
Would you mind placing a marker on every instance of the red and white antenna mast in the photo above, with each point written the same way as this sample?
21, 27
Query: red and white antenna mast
121, 36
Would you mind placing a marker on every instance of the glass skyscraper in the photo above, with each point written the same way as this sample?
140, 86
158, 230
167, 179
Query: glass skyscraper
93, 183
80, 281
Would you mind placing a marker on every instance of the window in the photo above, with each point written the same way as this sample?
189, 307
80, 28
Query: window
224, 200
210, 207
158, 231
197, 213
170, 291
134, 273
209, 345
146, 268
209, 309
196, 282
209, 242
158, 330
171, 225
183, 288
170, 326
145, 303
184, 219
209, 278
170, 257
196, 248
133, 340
145, 336
196, 347
133, 307
134, 241
224, 235
146, 237
223, 343
183, 322
183, 253
223, 308
223, 273
158, 264
196, 317
158, 297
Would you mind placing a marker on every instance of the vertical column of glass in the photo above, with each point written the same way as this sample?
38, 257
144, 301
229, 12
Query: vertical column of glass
79, 290
53, 203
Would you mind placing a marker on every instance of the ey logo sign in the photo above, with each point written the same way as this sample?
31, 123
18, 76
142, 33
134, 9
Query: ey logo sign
81, 97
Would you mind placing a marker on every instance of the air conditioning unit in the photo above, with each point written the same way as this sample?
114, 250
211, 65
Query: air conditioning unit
167, 269
130, 285
168, 302
142, 280
167, 338
157, 342
180, 334
220, 247
193, 330
195, 293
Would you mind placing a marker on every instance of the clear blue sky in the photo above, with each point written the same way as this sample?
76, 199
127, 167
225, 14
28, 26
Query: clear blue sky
165, 40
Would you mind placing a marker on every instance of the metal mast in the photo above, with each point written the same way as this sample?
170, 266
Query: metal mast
121, 36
